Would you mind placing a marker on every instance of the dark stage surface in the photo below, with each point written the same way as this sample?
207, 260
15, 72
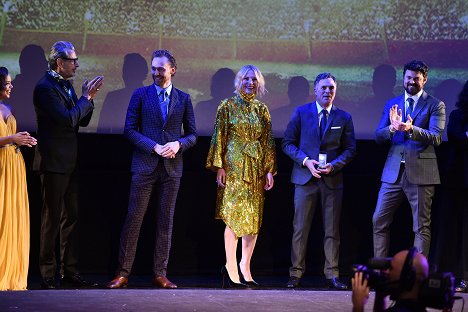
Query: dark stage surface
195, 293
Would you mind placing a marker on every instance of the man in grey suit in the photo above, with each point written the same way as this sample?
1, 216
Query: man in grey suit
411, 166
315, 130
153, 125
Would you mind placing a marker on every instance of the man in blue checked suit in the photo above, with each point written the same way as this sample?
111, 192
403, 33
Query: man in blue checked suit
153, 125
318, 128
413, 124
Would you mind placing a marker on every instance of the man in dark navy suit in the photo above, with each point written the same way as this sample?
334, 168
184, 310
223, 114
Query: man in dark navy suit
315, 130
59, 115
153, 125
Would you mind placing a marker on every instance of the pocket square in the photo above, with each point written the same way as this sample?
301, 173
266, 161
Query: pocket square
335, 127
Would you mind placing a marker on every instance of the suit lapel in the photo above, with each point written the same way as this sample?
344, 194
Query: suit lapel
331, 117
420, 105
153, 102
315, 119
61, 91
174, 100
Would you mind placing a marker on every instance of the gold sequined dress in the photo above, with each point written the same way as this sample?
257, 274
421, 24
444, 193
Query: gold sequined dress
14, 214
243, 145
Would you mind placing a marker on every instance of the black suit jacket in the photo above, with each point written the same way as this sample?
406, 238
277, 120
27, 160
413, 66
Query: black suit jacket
145, 126
302, 139
458, 160
58, 120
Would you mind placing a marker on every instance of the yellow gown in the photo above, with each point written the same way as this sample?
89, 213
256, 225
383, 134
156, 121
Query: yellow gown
243, 145
14, 214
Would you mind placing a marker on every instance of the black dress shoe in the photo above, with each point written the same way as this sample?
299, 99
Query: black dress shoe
228, 283
293, 282
336, 284
76, 280
462, 286
48, 283
251, 283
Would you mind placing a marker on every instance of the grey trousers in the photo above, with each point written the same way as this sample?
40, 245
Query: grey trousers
391, 195
306, 198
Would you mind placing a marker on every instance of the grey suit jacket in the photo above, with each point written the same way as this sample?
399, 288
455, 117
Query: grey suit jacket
145, 126
417, 148
302, 139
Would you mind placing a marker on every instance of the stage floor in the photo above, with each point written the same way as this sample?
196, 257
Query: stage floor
193, 294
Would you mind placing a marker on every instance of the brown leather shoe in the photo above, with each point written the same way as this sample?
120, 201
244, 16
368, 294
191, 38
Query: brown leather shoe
118, 282
163, 282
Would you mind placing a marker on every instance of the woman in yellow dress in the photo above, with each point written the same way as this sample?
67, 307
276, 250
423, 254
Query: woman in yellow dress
14, 206
242, 152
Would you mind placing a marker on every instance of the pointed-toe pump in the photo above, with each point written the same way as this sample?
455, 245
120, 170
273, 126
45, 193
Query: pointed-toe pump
227, 282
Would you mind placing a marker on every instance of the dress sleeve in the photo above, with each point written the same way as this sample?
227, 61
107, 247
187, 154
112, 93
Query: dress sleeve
268, 143
215, 159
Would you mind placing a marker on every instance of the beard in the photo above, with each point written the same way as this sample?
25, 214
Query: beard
412, 89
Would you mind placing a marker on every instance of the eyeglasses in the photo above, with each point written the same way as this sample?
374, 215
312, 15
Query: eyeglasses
75, 60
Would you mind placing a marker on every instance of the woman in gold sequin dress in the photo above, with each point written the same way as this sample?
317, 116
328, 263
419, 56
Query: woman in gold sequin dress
242, 152
14, 206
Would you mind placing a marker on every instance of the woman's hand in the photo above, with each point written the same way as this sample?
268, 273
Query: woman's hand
269, 181
221, 177
23, 138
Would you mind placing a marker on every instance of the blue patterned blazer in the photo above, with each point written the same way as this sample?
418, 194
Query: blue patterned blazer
145, 126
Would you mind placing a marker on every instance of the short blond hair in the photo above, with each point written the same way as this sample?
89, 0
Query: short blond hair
261, 90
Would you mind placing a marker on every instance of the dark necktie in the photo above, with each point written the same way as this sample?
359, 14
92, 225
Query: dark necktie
163, 103
409, 109
323, 122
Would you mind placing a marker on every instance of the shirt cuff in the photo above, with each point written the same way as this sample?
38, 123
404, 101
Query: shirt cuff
303, 162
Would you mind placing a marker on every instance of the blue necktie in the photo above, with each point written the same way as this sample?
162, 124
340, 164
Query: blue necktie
163, 103
323, 122
409, 109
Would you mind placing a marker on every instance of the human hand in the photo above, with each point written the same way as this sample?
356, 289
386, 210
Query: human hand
157, 149
406, 126
327, 169
360, 293
170, 149
221, 177
395, 114
269, 181
90, 88
310, 164
23, 138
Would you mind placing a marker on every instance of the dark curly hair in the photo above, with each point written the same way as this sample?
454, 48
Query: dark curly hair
3, 75
417, 66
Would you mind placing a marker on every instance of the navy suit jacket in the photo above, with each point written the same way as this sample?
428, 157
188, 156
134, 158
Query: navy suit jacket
417, 148
58, 120
302, 139
145, 126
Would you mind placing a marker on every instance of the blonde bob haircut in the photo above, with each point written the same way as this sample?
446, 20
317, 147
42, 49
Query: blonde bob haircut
261, 90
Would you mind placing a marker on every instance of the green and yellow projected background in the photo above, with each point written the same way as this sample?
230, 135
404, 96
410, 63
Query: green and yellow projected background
363, 43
